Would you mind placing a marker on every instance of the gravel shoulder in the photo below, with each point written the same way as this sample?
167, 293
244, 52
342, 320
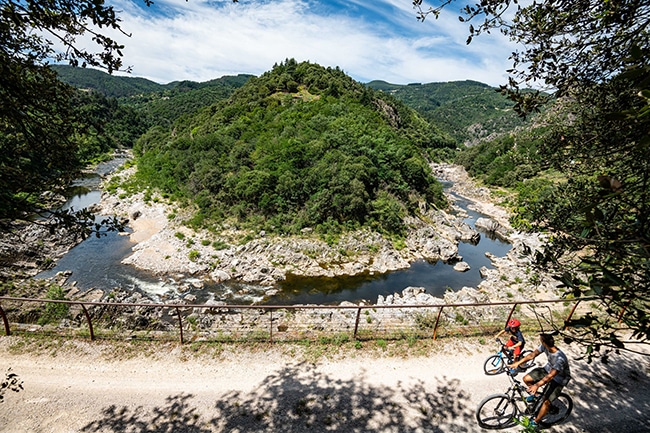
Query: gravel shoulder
82, 386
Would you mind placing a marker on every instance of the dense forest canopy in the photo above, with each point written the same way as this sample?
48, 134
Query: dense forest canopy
48, 130
300, 146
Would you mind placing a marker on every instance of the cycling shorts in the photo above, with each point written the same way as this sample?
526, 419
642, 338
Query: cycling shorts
553, 388
516, 350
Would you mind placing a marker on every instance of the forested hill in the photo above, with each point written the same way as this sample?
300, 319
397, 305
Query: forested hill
300, 146
467, 110
100, 81
125, 87
156, 104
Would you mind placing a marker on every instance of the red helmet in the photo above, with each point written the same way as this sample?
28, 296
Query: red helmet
514, 323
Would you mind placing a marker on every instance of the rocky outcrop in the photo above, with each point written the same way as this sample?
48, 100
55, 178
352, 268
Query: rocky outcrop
493, 228
27, 249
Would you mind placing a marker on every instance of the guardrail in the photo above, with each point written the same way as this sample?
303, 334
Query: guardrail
270, 309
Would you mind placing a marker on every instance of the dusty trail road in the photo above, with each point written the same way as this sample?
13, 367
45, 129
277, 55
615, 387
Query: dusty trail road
93, 387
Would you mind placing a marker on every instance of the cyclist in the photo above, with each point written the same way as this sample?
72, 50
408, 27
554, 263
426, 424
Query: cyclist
516, 341
555, 373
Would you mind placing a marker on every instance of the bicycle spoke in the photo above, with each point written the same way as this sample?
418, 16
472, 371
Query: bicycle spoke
496, 412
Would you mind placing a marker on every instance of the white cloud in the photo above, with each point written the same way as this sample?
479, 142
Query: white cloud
199, 41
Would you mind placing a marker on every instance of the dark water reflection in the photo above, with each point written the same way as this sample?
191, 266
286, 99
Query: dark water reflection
96, 262
436, 278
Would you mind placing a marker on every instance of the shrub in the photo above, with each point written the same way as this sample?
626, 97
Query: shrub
54, 311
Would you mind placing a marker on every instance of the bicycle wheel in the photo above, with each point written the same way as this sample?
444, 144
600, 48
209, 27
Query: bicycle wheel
494, 365
560, 410
496, 412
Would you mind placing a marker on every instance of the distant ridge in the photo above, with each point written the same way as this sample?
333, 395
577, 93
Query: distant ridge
467, 110
122, 87
109, 85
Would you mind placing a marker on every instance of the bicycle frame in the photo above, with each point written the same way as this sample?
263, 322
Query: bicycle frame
498, 362
504, 410
518, 393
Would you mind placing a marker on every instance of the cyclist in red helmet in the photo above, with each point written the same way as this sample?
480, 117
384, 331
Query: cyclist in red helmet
516, 341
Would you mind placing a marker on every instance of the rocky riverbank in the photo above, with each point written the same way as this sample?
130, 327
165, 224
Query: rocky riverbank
188, 258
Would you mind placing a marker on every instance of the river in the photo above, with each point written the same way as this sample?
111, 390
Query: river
96, 263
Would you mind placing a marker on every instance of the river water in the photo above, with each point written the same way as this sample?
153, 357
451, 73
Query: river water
96, 263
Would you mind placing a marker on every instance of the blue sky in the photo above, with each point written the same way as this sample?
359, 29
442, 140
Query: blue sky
201, 40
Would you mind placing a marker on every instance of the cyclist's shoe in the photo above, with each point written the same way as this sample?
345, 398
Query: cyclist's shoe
531, 398
532, 425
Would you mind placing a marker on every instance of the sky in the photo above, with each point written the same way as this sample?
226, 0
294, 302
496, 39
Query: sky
201, 40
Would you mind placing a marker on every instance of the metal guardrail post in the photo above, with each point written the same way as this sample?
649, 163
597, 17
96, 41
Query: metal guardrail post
356, 323
271, 327
90, 323
180, 323
566, 322
435, 328
6, 322
512, 311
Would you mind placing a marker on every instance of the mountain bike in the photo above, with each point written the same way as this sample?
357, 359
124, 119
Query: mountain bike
499, 411
498, 363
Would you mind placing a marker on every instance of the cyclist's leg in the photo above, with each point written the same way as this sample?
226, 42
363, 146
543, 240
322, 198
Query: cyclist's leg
516, 353
507, 349
534, 376
551, 392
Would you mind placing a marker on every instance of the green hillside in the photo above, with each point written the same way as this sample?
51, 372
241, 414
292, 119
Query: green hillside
469, 111
300, 146
183, 98
106, 84
160, 104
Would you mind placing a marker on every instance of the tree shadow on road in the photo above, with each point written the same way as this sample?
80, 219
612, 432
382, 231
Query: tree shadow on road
177, 415
618, 387
298, 399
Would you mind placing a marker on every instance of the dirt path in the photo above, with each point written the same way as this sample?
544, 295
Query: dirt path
82, 388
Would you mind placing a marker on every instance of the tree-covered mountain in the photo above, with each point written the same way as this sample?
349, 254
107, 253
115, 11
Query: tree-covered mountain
159, 104
104, 83
469, 111
300, 146
183, 98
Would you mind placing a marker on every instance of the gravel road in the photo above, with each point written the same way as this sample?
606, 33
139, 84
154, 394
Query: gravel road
83, 386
